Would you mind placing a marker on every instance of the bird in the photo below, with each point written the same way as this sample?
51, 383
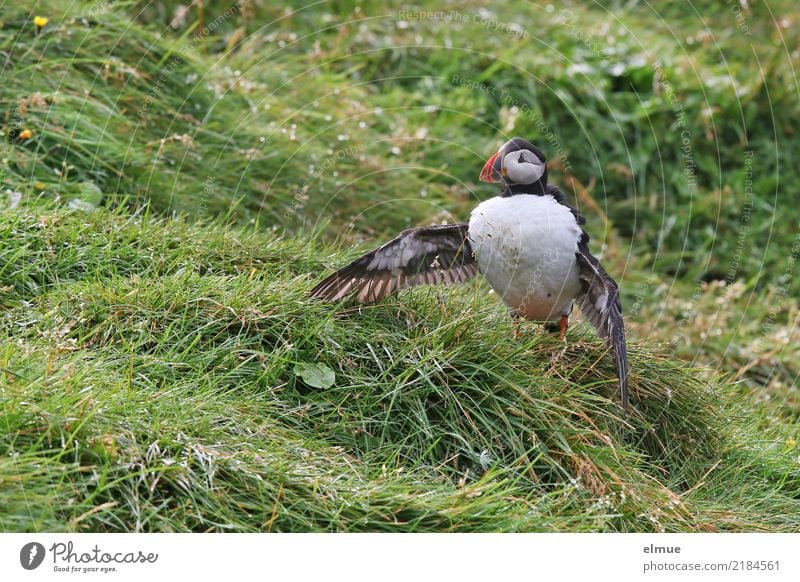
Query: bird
528, 242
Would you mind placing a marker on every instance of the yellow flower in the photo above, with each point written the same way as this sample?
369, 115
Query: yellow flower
40, 21
25, 134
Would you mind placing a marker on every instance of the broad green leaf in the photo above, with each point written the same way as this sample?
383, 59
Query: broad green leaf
315, 375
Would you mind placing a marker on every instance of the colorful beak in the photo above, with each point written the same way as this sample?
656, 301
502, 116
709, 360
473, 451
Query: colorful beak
491, 169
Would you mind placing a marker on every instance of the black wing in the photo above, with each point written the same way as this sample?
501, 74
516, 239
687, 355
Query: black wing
600, 304
418, 256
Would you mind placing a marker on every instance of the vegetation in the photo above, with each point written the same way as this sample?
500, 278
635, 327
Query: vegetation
175, 181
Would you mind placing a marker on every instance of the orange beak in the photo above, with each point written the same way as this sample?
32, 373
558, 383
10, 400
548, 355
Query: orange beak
491, 169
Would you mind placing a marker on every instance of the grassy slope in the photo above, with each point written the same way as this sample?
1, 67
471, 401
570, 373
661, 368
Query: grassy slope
149, 385
149, 378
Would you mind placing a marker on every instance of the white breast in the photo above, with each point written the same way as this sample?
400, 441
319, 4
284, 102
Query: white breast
525, 246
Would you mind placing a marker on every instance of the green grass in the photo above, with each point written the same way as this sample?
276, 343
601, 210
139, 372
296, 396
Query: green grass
150, 387
292, 120
174, 212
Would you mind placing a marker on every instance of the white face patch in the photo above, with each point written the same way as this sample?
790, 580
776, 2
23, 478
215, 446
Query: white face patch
523, 167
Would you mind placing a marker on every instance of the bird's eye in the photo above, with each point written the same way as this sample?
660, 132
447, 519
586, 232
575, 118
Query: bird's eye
528, 157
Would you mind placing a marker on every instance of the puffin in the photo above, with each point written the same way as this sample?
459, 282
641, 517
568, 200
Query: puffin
528, 242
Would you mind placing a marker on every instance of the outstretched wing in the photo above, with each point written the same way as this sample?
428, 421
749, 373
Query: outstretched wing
426, 255
600, 304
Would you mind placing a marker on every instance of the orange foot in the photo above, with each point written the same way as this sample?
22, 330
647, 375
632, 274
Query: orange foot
564, 323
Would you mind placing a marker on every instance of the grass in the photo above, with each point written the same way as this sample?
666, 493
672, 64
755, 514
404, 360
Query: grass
147, 387
182, 192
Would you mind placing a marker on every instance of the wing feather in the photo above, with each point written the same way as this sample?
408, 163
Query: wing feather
599, 302
419, 256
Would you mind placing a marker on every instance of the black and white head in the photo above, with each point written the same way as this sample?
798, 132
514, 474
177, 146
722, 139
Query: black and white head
517, 163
